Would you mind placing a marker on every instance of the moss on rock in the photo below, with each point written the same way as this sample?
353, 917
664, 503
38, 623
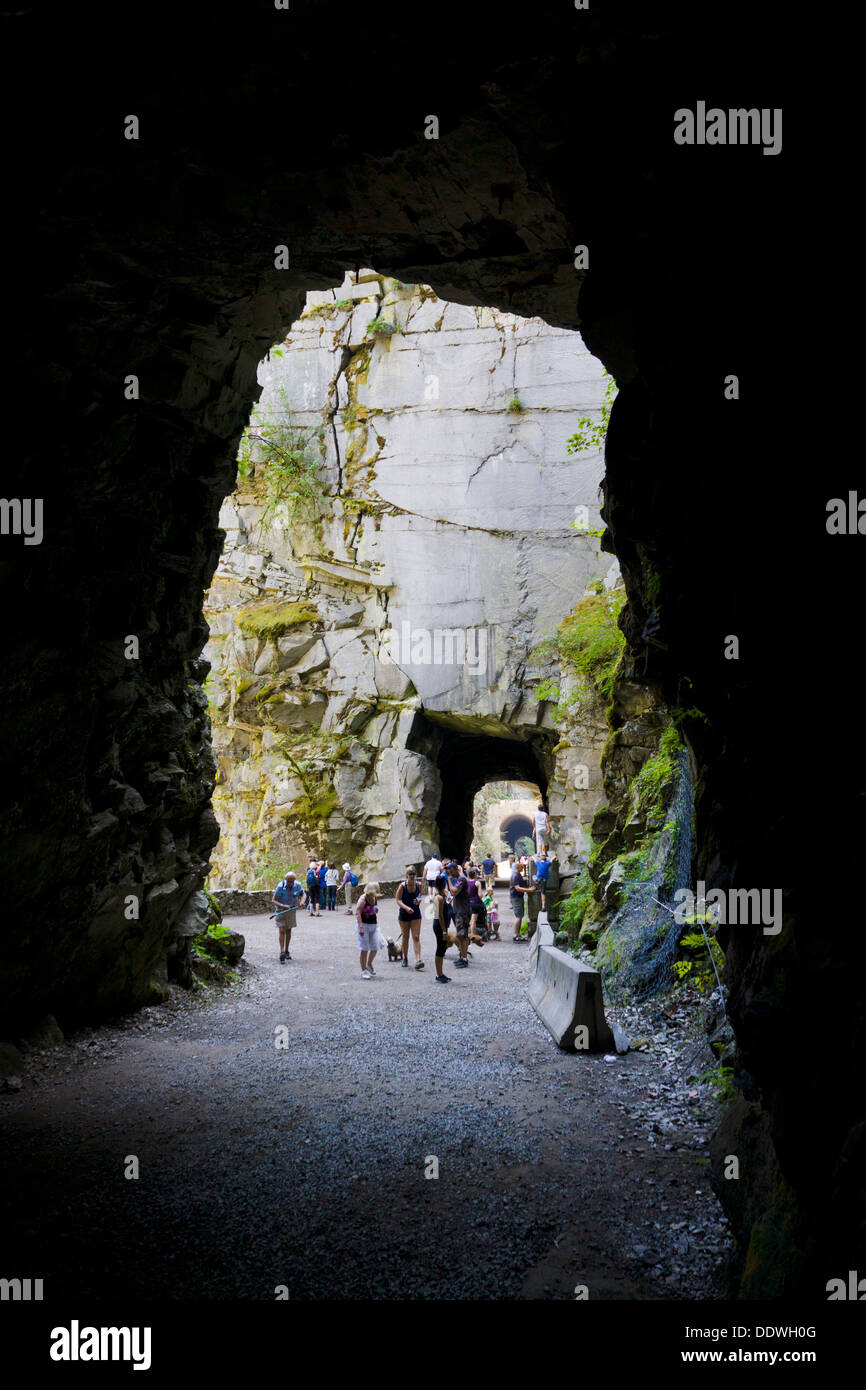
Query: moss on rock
274, 619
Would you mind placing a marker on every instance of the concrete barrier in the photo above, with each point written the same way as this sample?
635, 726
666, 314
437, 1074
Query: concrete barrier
542, 936
566, 996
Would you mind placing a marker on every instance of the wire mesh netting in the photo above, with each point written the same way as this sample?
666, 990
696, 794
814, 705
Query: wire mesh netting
641, 937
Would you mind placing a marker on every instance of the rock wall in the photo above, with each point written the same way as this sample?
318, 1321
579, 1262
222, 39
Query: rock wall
157, 261
433, 552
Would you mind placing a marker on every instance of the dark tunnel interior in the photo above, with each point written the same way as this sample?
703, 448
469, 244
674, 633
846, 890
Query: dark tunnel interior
467, 761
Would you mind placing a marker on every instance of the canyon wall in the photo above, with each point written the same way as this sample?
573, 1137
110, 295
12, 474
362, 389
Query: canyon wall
402, 590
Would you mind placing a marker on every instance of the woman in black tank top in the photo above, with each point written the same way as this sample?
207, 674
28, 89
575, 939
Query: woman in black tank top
409, 916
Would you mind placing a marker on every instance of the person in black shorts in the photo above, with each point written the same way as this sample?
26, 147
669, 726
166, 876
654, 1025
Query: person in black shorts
440, 928
409, 916
458, 884
518, 890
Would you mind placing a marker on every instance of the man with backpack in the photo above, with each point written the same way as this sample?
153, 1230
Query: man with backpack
349, 882
313, 888
461, 911
287, 895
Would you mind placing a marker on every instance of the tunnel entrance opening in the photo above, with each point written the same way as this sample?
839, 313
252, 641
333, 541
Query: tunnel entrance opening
468, 760
322, 613
515, 830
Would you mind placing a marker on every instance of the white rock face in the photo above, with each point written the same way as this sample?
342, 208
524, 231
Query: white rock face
435, 552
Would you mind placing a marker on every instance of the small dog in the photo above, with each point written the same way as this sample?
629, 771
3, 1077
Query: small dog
395, 952
451, 938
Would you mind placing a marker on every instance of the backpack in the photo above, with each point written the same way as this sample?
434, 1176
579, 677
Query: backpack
311, 877
353, 879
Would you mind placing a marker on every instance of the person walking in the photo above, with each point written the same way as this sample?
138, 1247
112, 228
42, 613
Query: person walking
322, 870
488, 864
332, 878
367, 922
432, 870
409, 916
518, 889
287, 895
439, 928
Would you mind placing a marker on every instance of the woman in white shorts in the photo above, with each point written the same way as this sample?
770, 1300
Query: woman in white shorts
367, 924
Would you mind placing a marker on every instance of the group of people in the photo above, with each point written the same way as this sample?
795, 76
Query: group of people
323, 883
459, 906
459, 903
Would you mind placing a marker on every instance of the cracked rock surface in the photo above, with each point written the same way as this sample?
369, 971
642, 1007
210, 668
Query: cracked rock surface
444, 504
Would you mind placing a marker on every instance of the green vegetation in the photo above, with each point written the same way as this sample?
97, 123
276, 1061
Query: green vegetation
287, 456
215, 932
273, 620
694, 964
590, 433
658, 773
319, 310
515, 406
576, 906
318, 803
381, 328
678, 715
722, 1081
586, 648
270, 868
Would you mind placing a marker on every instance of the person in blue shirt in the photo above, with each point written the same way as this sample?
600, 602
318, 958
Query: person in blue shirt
313, 887
287, 895
542, 874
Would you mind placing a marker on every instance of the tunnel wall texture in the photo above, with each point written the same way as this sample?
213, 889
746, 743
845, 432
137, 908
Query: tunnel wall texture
155, 258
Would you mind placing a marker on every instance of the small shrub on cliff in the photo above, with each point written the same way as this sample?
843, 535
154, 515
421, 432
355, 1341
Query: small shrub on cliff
586, 647
381, 328
287, 456
590, 434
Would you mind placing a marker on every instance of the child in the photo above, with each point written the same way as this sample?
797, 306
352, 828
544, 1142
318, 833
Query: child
492, 916
542, 874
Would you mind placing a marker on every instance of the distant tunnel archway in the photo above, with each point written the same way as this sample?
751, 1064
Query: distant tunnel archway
467, 760
514, 828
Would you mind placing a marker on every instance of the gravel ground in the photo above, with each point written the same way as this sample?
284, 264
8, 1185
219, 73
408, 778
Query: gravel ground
304, 1165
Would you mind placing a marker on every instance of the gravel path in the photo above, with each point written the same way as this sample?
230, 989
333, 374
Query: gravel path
304, 1166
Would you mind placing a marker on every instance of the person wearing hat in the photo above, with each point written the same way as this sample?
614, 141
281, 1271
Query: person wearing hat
287, 895
346, 883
